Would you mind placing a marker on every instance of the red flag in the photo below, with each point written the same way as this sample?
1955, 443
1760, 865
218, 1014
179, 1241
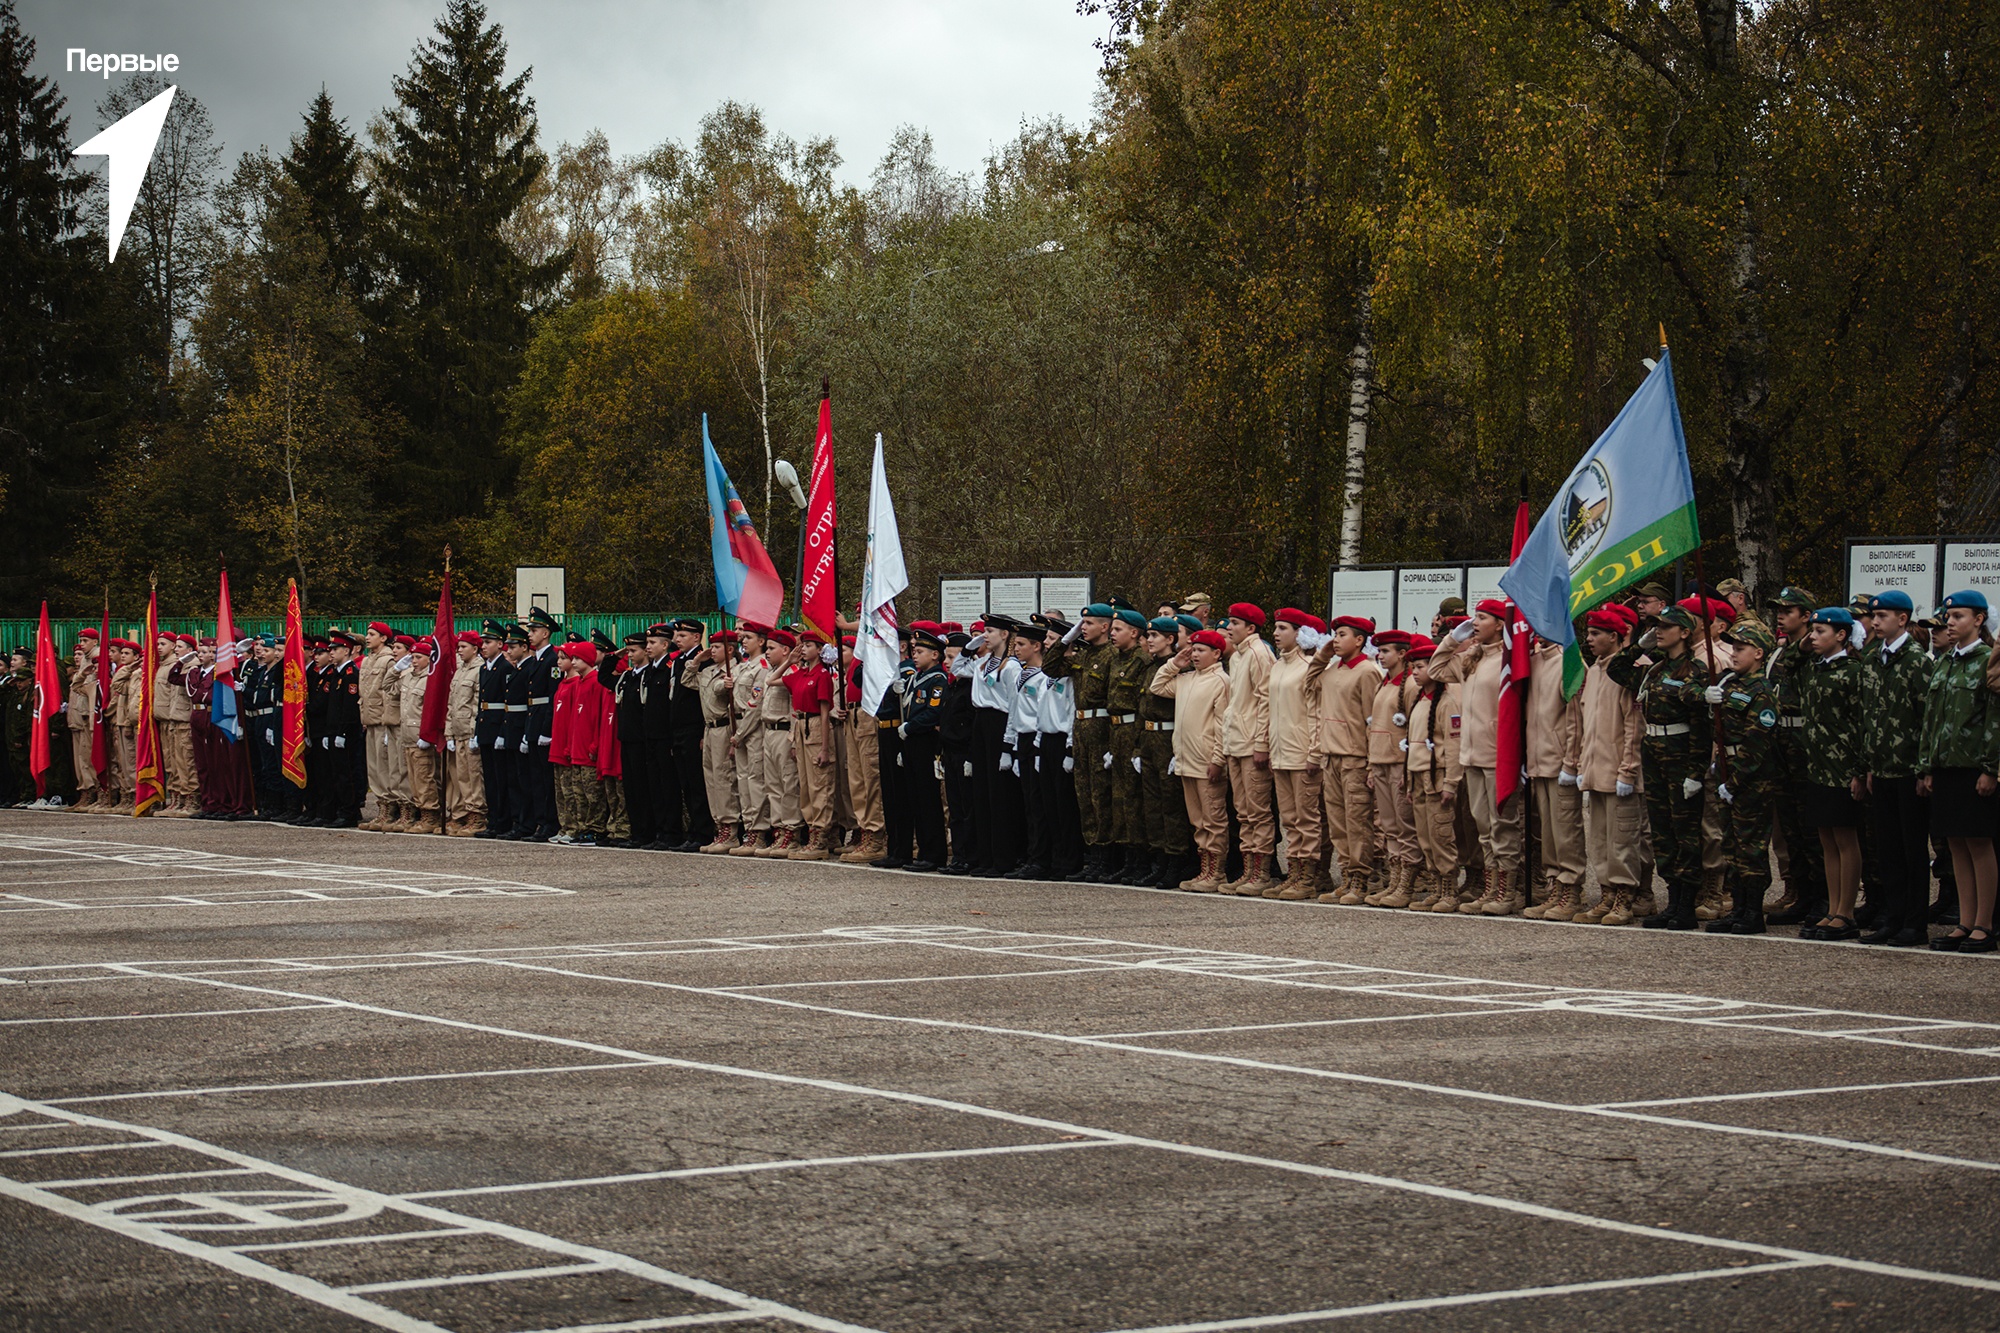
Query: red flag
100, 718
1512, 756
150, 781
49, 699
817, 599
292, 745
437, 686
225, 636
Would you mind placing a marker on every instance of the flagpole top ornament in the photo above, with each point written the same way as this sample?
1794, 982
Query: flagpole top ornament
1663, 335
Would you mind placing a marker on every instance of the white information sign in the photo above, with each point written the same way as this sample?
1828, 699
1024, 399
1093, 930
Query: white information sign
1013, 597
1366, 592
1419, 590
1973, 565
963, 600
1482, 582
1909, 566
1067, 595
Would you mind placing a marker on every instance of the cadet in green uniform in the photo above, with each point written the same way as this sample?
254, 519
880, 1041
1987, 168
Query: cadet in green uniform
1747, 713
1895, 681
1131, 670
1805, 872
1168, 832
1086, 660
1831, 688
1669, 682
1960, 760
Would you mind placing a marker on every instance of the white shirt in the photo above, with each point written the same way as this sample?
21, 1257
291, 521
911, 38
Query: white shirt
1056, 711
1025, 705
1889, 650
994, 684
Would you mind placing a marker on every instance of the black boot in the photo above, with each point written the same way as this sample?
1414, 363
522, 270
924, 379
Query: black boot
1113, 864
1156, 869
1680, 910
1807, 909
1093, 862
1135, 865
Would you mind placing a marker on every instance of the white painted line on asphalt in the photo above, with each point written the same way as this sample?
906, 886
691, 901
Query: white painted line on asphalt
474, 1279
1469, 1298
187, 1013
81, 1147
42, 902
745, 1168
160, 1220
665, 1321
370, 1238
145, 1179
1449, 1193
905, 981
1796, 1092
336, 1083
1312, 1023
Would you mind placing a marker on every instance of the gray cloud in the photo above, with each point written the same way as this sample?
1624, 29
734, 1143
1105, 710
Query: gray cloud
969, 71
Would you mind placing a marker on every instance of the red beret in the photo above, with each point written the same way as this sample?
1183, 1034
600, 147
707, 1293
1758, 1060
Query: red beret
1420, 648
585, 652
724, 636
927, 626
470, 636
1394, 638
187, 639
1245, 611
847, 640
978, 627
426, 645
381, 629
86, 633
752, 627
1361, 625
1497, 607
783, 638
1717, 609
1213, 638
1605, 618
953, 627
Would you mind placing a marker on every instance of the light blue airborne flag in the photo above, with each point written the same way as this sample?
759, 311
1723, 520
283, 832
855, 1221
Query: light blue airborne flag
1626, 511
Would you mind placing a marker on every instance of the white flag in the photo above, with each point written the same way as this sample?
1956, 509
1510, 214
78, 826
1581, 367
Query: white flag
882, 577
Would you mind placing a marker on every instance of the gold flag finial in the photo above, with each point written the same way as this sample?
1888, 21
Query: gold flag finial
1663, 335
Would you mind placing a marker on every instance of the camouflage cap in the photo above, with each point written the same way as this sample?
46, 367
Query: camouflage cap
1793, 596
1452, 606
1752, 633
1728, 586
1679, 618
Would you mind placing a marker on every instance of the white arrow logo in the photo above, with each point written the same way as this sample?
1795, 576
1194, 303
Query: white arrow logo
129, 144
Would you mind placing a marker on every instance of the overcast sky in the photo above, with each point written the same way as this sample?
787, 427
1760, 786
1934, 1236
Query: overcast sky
968, 71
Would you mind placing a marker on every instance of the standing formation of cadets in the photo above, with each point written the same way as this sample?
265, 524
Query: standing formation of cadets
1276, 754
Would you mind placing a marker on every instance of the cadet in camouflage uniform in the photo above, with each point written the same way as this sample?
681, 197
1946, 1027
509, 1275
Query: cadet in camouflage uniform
1831, 698
1895, 683
1805, 872
1168, 832
1669, 682
1130, 672
1086, 660
1747, 709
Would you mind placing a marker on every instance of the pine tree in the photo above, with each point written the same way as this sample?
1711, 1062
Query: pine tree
325, 164
460, 159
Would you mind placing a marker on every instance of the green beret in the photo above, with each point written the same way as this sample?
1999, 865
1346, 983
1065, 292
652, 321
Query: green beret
1167, 625
1658, 590
1189, 623
1135, 619
1099, 610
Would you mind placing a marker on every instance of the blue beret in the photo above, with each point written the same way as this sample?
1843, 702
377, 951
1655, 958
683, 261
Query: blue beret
1972, 599
1189, 623
1893, 600
1167, 625
1099, 609
1135, 619
1834, 615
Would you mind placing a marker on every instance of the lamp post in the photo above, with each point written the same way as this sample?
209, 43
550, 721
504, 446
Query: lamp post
788, 477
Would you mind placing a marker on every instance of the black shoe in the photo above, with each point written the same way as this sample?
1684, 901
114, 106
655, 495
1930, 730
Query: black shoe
1722, 925
955, 868
1668, 921
1749, 924
1885, 933
1846, 930
1029, 872
1798, 914
689, 846
586, 840
921, 867
1156, 869
888, 863
1949, 943
1093, 857
352, 821
1909, 937
489, 833
1970, 944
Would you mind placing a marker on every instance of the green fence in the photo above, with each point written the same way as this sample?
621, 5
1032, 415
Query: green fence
20, 633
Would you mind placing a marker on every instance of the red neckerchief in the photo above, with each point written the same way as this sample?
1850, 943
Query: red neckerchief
1347, 663
1398, 678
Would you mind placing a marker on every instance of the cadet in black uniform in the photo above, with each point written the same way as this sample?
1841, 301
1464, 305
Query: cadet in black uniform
686, 725
955, 740
663, 788
260, 693
895, 777
318, 663
538, 776
629, 709
514, 736
489, 733
923, 712
348, 766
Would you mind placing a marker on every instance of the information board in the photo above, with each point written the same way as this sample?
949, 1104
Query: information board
1419, 589
1877, 567
969, 597
1972, 565
1068, 594
962, 600
1366, 592
1482, 582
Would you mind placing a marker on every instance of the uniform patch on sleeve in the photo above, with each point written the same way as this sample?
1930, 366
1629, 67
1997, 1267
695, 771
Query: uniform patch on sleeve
1768, 718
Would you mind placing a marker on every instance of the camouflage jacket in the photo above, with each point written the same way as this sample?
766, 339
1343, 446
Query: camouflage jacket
1749, 724
1669, 690
1961, 717
1787, 668
1088, 664
1130, 672
1892, 708
1832, 697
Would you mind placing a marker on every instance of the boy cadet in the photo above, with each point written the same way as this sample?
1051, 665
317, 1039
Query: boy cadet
521, 682
923, 711
622, 671
1804, 898
864, 763
957, 736
125, 700
1295, 774
464, 780
773, 721
1200, 688
1669, 681
1555, 754
686, 825
751, 670
1246, 749
1607, 768
1167, 829
1129, 671
1472, 654
1031, 768
538, 669
172, 711
716, 685
422, 812
1083, 655
811, 687
1436, 779
346, 759
1343, 681
381, 718
81, 714
1388, 769
1055, 723
1746, 713
1895, 682
489, 732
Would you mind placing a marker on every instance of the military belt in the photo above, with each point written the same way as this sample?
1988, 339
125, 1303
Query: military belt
544, 699
1731, 750
1159, 726
719, 722
1089, 713
1667, 729
516, 708
260, 712
1791, 722
1120, 719
886, 724
493, 708
785, 725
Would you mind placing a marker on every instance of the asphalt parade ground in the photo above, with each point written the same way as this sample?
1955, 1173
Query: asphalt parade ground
261, 1077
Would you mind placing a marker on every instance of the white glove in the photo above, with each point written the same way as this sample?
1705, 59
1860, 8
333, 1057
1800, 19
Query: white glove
1858, 635
1713, 694
322, 742
1728, 796
1462, 631
1690, 787
451, 745
903, 731
340, 742
1403, 745
1650, 638
1368, 721
1107, 763
524, 745
1006, 764
475, 742
423, 744
1135, 765
270, 737
1173, 768
1038, 761
967, 766
937, 768
1074, 630
545, 740
1069, 763
1400, 719
899, 759
1566, 779
1625, 789
829, 654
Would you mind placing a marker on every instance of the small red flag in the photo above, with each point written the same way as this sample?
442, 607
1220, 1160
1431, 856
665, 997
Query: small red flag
49, 699
292, 747
437, 686
1512, 751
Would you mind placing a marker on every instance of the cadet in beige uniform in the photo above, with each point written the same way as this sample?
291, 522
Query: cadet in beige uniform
1471, 655
712, 675
1201, 705
1608, 769
753, 667
774, 733
1295, 775
1555, 754
864, 764
422, 812
1388, 770
381, 721
464, 778
1343, 680
172, 711
1246, 748
127, 696
1436, 780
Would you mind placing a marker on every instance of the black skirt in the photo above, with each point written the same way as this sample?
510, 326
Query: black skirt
1829, 807
1957, 808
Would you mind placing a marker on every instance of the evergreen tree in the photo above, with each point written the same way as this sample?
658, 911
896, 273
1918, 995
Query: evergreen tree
325, 164
455, 317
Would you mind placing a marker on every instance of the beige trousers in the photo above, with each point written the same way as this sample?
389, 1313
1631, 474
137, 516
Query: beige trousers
177, 754
79, 754
1297, 790
464, 782
1500, 834
1252, 790
719, 776
388, 774
1436, 826
1208, 811
781, 779
1559, 812
1350, 814
756, 809
420, 778
1395, 814
125, 759
1615, 829
809, 736
843, 792
864, 770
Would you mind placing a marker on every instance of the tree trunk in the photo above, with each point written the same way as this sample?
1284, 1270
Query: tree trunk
1360, 398
1746, 380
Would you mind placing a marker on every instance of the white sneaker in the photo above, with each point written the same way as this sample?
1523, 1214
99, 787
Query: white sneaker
562, 840
55, 802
